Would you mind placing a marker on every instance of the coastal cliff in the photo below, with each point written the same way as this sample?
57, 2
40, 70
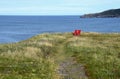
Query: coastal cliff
104, 14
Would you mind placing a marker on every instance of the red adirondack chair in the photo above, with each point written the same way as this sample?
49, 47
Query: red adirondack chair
76, 32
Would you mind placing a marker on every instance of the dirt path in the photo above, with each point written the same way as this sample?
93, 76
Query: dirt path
68, 68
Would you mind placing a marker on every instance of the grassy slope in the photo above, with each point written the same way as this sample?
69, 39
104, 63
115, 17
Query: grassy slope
39, 56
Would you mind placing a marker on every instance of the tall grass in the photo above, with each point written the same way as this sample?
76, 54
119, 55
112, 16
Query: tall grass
39, 56
29, 59
99, 53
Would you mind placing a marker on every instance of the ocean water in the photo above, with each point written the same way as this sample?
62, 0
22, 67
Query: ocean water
18, 28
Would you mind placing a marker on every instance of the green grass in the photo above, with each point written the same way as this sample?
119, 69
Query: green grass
39, 56
99, 53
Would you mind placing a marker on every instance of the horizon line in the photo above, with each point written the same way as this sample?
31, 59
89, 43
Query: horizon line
40, 15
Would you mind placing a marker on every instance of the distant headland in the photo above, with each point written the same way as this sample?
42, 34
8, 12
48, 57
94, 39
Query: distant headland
105, 14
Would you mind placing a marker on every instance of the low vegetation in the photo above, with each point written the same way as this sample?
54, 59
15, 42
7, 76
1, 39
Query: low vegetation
39, 57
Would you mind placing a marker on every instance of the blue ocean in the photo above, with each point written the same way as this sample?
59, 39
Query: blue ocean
18, 28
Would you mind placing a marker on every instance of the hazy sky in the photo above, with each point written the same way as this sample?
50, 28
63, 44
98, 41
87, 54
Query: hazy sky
55, 7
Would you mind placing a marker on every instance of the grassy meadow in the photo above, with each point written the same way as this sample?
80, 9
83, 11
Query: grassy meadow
39, 57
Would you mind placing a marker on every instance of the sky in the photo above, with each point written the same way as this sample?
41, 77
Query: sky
55, 7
